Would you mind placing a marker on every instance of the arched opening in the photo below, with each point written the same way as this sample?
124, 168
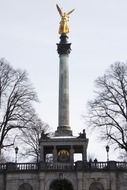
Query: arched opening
61, 184
96, 186
25, 186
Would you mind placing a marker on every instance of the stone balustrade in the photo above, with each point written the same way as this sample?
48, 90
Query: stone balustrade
79, 165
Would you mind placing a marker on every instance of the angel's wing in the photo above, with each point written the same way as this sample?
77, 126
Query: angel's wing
70, 12
59, 10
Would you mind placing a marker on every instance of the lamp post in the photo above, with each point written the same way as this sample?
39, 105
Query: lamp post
107, 150
16, 153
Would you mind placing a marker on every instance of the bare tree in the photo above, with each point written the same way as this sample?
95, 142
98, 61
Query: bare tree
16, 97
108, 110
30, 137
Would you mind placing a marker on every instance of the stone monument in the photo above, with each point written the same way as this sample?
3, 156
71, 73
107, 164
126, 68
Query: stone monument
57, 169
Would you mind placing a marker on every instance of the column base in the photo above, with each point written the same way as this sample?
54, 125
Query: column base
63, 131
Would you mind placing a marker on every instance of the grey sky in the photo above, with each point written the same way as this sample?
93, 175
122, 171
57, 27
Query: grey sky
28, 37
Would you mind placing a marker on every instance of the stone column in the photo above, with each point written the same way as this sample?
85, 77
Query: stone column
54, 154
63, 49
84, 153
72, 154
63, 92
41, 153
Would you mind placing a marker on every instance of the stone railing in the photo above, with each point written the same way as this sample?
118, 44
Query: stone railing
79, 165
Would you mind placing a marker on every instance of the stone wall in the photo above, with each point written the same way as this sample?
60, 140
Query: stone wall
109, 180
2, 180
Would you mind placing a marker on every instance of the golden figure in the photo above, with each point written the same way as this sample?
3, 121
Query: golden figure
64, 28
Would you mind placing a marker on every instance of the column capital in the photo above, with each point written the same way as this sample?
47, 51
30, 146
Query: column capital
63, 47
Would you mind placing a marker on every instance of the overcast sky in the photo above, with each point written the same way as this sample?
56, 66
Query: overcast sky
98, 33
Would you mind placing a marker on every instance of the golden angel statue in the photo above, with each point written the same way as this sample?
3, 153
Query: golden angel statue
64, 28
